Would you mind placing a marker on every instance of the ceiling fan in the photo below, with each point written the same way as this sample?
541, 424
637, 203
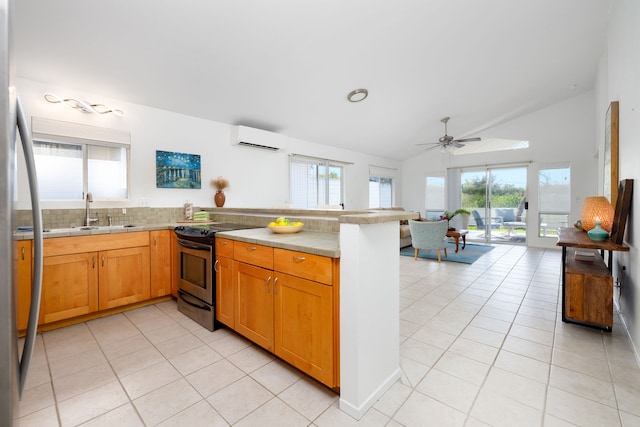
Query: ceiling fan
446, 141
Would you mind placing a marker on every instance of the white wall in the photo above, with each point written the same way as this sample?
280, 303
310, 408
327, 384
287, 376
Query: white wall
619, 79
561, 133
258, 178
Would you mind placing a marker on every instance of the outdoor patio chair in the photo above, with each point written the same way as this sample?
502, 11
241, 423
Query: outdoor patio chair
480, 222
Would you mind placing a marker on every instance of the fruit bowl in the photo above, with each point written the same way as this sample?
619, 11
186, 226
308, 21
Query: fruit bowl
285, 229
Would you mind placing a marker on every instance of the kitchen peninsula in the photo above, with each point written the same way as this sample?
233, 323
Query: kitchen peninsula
369, 294
365, 245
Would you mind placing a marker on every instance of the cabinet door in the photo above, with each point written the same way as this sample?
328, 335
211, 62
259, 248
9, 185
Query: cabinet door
254, 303
23, 282
304, 325
160, 260
69, 286
124, 276
225, 295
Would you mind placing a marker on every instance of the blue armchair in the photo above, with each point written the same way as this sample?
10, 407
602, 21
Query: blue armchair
429, 235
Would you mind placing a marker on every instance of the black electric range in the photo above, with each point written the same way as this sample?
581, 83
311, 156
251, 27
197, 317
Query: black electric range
205, 233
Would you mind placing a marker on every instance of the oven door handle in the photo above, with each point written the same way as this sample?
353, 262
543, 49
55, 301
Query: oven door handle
193, 246
186, 297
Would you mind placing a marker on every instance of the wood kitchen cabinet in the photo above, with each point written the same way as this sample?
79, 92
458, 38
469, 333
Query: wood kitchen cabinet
225, 294
160, 262
85, 274
303, 325
23, 282
124, 276
69, 286
254, 307
285, 302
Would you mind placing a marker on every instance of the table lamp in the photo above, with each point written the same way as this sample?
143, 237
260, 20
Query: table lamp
597, 217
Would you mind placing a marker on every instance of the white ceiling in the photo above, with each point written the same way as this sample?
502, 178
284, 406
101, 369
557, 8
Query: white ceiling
287, 65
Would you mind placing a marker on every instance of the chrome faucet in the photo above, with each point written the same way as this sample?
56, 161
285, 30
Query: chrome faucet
88, 219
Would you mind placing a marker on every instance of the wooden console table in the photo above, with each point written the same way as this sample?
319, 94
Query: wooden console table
587, 286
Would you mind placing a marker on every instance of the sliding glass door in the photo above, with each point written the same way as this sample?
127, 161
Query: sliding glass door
496, 198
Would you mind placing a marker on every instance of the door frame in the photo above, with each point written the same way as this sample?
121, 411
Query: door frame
455, 194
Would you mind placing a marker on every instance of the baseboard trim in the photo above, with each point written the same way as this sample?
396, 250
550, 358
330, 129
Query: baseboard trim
626, 330
358, 411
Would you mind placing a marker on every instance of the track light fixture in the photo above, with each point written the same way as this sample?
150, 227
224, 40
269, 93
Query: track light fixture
82, 106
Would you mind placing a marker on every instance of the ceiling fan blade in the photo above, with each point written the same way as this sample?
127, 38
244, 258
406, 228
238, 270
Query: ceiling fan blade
429, 143
467, 140
457, 144
431, 148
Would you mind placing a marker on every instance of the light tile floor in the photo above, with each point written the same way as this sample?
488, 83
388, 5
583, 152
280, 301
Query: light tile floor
481, 345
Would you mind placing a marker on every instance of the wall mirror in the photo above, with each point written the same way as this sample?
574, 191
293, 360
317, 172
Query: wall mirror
610, 167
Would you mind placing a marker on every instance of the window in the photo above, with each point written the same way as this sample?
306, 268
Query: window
434, 196
380, 192
554, 200
73, 159
68, 171
315, 182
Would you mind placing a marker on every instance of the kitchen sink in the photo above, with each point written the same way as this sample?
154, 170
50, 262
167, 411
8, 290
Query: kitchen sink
89, 228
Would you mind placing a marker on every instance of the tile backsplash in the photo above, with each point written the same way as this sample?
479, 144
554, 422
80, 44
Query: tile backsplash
63, 218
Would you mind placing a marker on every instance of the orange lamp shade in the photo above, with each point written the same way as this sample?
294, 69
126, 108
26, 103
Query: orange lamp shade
596, 208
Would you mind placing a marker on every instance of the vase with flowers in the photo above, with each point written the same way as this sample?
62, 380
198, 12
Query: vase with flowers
448, 216
219, 184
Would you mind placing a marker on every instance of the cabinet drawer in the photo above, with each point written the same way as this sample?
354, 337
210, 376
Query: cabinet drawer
250, 253
224, 247
99, 242
301, 264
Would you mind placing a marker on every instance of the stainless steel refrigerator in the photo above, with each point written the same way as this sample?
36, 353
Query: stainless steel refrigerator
14, 364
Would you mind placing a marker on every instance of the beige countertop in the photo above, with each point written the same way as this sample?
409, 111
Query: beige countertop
376, 217
325, 243
93, 230
308, 241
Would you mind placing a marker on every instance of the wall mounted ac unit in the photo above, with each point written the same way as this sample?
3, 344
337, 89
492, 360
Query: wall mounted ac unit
257, 138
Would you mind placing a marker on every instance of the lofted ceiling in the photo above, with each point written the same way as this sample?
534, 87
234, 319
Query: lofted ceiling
287, 65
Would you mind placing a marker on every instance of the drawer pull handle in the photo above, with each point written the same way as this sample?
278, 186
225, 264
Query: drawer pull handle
93, 264
223, 243
215, 266
275, 290
23, 253
267, 283
299, 258
155, 240
252, 248
103, 260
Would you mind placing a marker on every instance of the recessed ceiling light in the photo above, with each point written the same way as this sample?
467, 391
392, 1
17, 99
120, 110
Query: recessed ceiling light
357, 95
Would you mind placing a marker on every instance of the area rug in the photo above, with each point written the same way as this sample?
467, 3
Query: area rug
468, 255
